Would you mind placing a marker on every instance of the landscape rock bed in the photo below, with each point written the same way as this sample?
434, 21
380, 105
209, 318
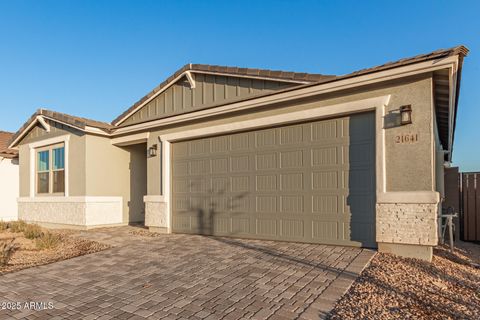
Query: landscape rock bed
400, 288
28, 255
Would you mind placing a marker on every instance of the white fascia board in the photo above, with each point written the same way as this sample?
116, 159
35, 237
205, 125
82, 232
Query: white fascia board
453, 97
309, 91
190, 78
44, 124
131, 139
87, 129
252, 77
96, 131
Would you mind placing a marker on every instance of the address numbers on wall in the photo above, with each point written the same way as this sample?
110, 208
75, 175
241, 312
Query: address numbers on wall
406, 138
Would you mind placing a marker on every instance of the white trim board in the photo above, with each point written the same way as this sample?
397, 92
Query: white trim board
76, 199
377, 105
414, 197
130, 139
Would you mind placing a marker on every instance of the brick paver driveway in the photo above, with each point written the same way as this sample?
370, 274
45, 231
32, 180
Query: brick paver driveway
188, 277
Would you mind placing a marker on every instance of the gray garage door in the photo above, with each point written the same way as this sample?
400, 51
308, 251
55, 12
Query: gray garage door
309, 182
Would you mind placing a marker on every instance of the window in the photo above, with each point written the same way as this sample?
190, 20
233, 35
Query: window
51, 170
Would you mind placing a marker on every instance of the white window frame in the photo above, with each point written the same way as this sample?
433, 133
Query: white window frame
33, 147
50, 170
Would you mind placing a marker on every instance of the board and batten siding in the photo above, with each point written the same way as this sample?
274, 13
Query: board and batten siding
209, 90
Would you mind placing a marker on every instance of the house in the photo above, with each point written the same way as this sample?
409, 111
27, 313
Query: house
353, 160
9, 187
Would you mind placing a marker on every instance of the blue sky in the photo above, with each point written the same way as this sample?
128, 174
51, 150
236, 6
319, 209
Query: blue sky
96, 58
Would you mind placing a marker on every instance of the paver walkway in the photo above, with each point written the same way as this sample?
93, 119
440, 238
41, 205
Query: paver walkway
187, 277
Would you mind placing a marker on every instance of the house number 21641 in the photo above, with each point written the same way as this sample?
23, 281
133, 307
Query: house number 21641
406, 138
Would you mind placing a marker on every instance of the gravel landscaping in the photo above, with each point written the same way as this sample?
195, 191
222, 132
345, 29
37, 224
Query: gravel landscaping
399, 288
42, 246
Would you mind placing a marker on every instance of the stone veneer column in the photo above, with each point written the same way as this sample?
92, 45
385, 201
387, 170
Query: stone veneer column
406, 223
156, 215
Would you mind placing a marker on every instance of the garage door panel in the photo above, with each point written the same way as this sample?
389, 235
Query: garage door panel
292, 181
324, 180
240, 163
309, 182
199, 147
322, 156
265, 139
292, 135
326, 204
241, 226
266, 182
293, 229
291, 159
266, 161
240, 141
220, 145
326, 130
293, 204
267, 227
266, 203
220, 165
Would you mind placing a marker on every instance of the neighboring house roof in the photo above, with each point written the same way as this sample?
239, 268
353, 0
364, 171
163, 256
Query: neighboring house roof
274, 75
5, 152
79, 123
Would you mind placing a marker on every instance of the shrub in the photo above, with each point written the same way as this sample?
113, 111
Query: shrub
3, 225
48, 241
32, 231
17, 226
6, 251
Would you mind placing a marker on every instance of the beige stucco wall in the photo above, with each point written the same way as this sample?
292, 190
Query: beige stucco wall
76, 157
408, 166
117, 171
96, 169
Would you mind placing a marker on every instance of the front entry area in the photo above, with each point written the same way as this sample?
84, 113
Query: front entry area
309, 182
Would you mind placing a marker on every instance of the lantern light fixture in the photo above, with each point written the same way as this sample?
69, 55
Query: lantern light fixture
152, 151
406, 114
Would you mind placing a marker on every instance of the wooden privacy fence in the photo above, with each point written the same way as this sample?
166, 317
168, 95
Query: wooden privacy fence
470, 206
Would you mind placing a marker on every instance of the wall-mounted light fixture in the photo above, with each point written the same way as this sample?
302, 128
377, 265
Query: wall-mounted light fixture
406, 114
152, 151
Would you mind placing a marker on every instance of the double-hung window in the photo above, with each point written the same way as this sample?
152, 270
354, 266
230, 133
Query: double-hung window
50, 170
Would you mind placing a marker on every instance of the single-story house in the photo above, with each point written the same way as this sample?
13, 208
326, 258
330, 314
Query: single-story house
9, 185
353, 160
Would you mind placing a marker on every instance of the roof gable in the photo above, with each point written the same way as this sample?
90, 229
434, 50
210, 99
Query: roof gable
207, 90
218, 83
46, 117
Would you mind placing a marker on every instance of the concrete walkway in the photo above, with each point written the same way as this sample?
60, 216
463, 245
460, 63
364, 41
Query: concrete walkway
186, 277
